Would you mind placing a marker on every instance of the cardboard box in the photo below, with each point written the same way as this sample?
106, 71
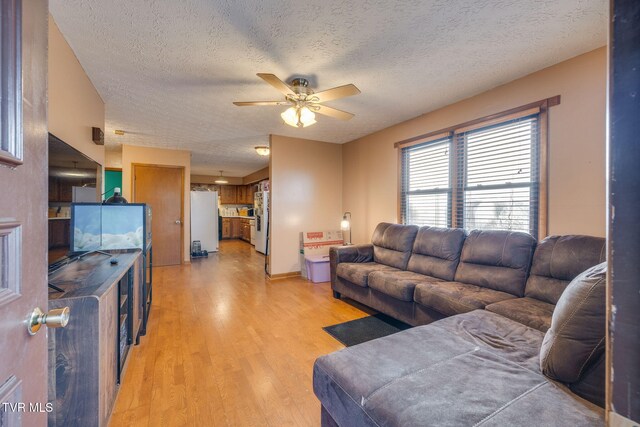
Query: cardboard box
317, 243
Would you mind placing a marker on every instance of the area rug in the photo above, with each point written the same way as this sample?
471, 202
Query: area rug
365, 329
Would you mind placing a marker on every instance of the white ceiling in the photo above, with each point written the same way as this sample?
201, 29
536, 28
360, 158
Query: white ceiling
169, 70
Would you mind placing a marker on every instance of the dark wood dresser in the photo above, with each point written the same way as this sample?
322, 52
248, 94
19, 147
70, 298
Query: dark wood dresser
88, 356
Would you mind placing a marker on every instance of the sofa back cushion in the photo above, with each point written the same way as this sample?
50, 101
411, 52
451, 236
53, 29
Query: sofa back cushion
392, 244
558, 260
436, 252
576, 339
496, 259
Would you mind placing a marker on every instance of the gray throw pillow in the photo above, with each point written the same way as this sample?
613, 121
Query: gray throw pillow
578, 326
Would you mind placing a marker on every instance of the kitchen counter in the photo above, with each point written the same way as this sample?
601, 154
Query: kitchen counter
238, 216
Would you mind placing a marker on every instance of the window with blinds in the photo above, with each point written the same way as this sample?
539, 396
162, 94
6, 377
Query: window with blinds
480, 178
497, 183
426, 183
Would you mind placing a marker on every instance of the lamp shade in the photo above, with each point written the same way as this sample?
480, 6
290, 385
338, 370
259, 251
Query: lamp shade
307, 117
290, 116
345, 225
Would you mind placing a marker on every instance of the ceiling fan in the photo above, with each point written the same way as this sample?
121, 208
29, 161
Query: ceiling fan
303, 101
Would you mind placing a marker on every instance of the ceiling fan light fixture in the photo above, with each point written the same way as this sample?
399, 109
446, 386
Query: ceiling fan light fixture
298, 117
221, 179
263, 150
307, 117
290, 116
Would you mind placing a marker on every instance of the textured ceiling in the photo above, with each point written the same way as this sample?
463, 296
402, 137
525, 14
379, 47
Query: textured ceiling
168, 71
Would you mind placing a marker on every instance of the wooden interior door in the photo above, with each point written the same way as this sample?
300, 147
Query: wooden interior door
162, 188
23, 210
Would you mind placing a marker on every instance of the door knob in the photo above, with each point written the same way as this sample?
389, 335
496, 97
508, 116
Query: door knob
178, 222
56, 318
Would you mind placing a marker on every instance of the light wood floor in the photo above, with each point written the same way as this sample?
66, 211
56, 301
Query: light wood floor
227, 347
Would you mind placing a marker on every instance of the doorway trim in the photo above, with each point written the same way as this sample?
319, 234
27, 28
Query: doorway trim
182, 172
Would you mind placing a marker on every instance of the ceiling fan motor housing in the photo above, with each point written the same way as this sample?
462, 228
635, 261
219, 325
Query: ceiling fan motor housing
301, 86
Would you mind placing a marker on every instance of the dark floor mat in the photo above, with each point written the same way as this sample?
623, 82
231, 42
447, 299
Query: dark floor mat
365, 329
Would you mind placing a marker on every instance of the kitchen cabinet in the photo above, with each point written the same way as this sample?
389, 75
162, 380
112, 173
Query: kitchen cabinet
242, 194
61, 189
245, 228
53, 189
236, 230
226, 228
228, 194
247, 195
59, 233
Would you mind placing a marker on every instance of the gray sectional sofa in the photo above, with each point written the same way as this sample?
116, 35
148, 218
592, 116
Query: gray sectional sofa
493, 351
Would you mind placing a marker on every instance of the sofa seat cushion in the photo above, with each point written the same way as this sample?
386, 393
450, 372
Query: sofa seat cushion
478, 368
358, 272
397, 284
450, 298
528, 311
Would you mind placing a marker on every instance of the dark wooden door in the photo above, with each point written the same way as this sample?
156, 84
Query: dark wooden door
23, 210
162, 188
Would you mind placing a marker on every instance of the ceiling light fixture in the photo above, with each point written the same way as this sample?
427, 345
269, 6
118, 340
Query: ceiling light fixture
221, 179
263, 150
298, 117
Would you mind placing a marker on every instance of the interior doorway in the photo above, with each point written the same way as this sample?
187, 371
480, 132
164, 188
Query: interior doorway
162, 188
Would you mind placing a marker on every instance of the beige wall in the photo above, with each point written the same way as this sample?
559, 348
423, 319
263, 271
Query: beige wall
74, 104
576, 147
260, 175
161, 157
113, 158
306, 195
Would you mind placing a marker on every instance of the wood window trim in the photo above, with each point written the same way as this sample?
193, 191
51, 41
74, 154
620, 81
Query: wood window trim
540, 107
543, 104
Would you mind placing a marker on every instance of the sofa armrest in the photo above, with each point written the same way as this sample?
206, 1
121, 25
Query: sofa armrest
352, 253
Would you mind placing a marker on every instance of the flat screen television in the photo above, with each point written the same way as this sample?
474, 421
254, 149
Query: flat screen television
73, 177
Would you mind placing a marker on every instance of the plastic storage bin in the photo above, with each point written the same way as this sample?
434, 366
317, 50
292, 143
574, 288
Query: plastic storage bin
318, 268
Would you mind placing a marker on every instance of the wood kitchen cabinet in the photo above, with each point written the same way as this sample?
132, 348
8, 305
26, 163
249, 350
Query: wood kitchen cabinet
241, 194
59, 233
245, 230
228, 195
226, 228
236, 229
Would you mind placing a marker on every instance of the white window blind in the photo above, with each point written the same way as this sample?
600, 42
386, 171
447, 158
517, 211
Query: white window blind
483, 178
498, 174
426, 183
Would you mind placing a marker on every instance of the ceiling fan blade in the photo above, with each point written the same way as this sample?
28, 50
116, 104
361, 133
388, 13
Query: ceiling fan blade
278, 84
332, 112
260, 103
336, 93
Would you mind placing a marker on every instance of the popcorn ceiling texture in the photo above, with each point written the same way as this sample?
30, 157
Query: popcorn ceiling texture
168, 71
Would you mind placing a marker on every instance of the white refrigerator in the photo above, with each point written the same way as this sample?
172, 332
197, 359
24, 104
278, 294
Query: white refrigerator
261, 212
204, 219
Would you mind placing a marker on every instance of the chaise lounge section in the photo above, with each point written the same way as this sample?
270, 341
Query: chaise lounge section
487, 299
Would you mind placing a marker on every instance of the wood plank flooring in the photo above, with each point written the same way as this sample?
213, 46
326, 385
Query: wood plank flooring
226, 346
